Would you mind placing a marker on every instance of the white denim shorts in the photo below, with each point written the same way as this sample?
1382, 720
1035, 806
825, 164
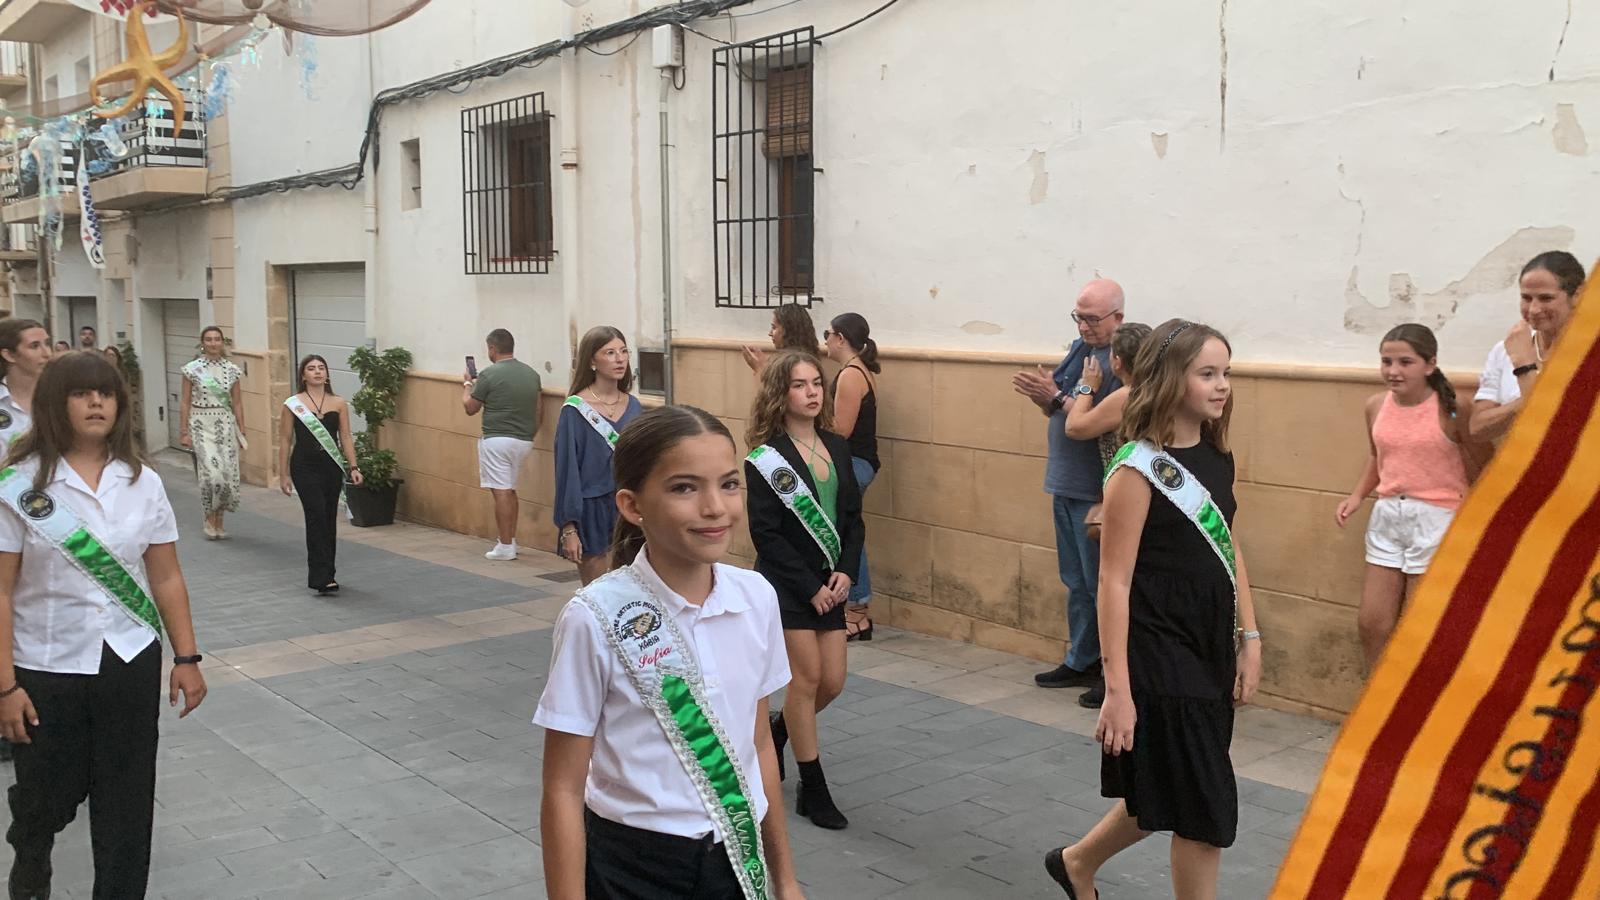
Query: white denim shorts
1404, 533
500, 460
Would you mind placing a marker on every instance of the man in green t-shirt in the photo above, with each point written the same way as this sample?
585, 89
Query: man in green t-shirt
507, 393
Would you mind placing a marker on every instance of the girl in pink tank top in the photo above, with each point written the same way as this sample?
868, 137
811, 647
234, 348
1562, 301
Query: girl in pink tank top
1421, 466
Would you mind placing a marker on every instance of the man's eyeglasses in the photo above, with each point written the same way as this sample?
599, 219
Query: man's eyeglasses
1090, 321
827, 333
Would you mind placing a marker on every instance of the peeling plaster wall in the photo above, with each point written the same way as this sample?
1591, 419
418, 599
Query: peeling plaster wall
1382, 163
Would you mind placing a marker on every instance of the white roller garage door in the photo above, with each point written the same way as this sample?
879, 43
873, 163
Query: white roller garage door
330, 321
180, 332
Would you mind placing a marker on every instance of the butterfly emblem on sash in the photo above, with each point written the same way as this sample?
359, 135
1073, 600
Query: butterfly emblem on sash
784, 480
36, 504
1167, 473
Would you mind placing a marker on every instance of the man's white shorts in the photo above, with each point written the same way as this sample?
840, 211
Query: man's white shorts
1404, 533
499, 461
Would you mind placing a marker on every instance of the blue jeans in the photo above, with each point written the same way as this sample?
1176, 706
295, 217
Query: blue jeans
1079, 559
861, 590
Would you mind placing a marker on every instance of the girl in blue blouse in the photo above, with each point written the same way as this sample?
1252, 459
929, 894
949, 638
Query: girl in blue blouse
598, 405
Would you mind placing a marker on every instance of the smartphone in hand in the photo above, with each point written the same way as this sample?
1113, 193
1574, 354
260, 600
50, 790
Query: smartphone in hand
472, 368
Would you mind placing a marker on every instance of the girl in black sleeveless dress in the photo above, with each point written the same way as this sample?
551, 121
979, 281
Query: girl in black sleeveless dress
1177, 635
314, 474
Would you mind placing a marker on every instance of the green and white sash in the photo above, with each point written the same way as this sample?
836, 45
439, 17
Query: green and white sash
599, 423
196, 371
318, 431
662, 668
1179, 485
62, 528
792, 490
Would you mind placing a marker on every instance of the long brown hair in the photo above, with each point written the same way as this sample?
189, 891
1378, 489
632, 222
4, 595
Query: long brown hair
52, 435
642, 444
583, 371
1423, 342
1160, 382
11, 331
300, 374
772, 398
798, 332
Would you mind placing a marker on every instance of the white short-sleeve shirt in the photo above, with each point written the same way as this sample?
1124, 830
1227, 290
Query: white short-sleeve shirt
1498, 385
634, 776
14, 421
60, 618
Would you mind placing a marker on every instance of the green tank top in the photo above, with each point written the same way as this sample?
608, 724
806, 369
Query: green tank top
827, 492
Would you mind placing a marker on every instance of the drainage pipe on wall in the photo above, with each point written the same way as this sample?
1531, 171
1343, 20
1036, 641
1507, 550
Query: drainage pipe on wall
666, 240
570, 258
369, 221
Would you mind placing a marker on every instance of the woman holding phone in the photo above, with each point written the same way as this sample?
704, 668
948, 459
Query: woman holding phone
318, 465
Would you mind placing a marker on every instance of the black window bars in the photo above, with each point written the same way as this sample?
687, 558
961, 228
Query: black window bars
762, 171
507, 225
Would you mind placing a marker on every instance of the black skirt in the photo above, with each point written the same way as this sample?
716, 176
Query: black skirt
803, 616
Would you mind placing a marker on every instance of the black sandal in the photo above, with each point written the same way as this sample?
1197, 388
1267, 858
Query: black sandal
858, 629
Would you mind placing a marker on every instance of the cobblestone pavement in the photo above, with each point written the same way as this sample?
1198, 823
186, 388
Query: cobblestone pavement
378, 745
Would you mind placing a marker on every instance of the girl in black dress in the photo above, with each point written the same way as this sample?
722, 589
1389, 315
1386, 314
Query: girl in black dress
318, 466
1177, 626
805, 522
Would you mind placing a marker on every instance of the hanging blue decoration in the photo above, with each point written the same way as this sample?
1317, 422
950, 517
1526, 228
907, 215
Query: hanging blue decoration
307, 52
152, 108
107, 135
99, 166
219, 93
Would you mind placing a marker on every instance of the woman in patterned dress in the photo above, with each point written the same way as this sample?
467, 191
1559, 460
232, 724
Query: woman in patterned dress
211, 427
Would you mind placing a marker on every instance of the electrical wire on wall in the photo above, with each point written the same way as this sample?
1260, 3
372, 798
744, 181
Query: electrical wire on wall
460, 80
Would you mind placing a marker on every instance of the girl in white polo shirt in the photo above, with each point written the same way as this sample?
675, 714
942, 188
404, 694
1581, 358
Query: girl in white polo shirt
89, 578
659, 770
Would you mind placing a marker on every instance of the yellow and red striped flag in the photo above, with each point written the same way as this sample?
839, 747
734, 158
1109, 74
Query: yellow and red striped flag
1471, 766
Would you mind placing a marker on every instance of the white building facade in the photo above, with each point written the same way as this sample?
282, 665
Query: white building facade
1301, 176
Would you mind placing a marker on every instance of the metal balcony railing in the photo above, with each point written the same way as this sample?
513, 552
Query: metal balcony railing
150, 141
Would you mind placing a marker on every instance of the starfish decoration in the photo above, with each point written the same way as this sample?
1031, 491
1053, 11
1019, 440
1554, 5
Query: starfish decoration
144, 68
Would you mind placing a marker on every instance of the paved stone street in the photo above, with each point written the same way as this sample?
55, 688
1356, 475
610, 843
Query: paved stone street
378, 745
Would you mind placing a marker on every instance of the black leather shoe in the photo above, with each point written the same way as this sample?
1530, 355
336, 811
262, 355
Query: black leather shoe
1065, 676
1093, 697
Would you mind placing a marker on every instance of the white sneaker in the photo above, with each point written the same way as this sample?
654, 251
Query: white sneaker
502, 552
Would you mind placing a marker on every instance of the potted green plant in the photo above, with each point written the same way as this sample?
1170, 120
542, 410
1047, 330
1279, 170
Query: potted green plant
382, 376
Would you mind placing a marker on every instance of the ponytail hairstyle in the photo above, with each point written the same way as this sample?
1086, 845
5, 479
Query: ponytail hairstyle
772, 398
1160, 381
642, 444
205, 331
1422, 340
51, 435
11, 331
1126, 341
798, 332
855, 331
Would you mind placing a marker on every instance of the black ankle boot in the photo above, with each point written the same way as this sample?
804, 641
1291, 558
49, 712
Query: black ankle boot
30, 876
813, 801
780, 739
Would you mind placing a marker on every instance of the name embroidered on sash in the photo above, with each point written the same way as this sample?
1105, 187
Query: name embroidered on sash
662, 668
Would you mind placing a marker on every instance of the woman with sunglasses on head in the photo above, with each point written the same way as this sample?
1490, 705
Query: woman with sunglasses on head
848, 342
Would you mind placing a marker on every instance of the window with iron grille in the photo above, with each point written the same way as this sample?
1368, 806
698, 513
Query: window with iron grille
762, 171
507, 223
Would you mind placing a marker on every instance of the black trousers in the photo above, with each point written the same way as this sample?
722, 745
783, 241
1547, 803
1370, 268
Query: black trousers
318, 483
96, 739
627, 863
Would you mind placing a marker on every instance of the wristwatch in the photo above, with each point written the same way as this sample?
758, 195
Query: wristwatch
1082, 390
187, 660
1058, 401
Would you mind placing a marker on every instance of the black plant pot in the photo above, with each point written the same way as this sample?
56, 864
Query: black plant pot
372, 506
